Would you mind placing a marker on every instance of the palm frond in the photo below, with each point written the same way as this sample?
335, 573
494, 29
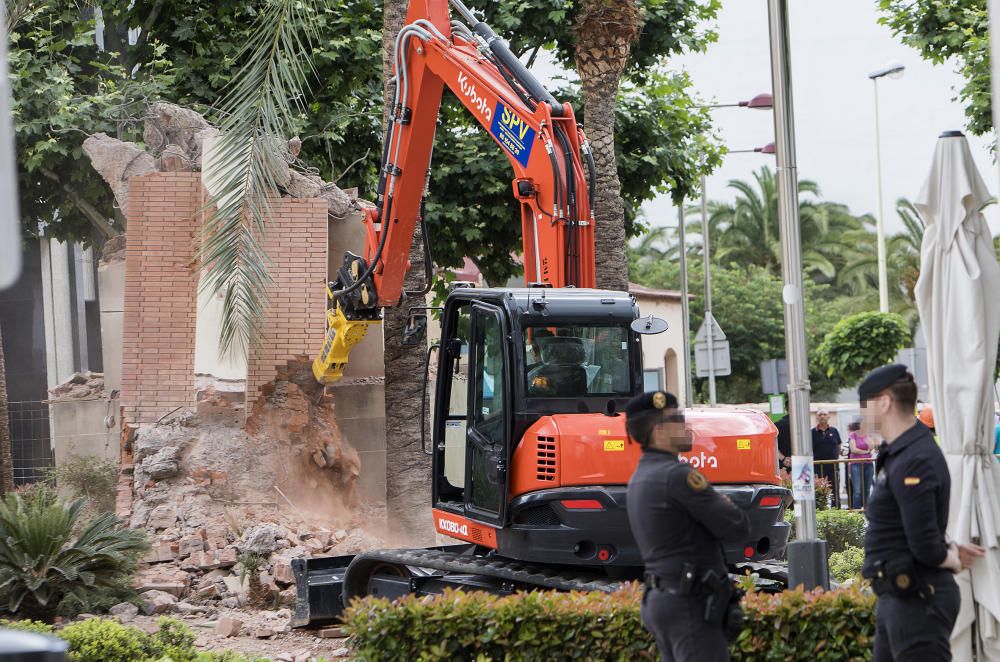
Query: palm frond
259, 109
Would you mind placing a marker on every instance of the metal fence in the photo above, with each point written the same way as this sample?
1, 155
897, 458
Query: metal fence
31, 441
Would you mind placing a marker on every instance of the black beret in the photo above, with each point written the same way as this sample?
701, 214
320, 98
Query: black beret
880, 379
650, 401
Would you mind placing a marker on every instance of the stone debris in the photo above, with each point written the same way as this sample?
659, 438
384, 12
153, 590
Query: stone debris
175, 136
80, 386
124, 611
342, 652
228, 626
332, 633
157, 602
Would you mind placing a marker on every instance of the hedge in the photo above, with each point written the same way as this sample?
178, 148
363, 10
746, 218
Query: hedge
837, 625
107, 640
840, 529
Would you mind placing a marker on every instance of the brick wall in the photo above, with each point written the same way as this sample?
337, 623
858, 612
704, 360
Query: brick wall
296, 242
160, 294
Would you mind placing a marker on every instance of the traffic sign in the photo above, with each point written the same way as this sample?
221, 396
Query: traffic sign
720, 358
717, 332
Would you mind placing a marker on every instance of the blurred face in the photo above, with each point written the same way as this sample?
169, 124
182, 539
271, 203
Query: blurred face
873, 413
822, 419
672, 434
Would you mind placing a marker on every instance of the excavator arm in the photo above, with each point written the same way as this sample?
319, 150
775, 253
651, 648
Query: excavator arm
538, 135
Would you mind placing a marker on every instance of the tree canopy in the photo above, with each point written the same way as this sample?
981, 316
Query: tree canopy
950, 31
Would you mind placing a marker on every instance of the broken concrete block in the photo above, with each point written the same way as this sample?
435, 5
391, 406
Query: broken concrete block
157, 602
162, 464
263, 633
332, 633
228, 626
344, 651
125, 611
227, 558
260, 539
283, 572
340, 535
162, 517
319, 459
190, 544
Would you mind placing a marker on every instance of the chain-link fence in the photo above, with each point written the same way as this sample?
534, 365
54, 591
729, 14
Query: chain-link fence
31, 441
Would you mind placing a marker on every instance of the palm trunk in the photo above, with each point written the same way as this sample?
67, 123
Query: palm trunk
6, 456
605, 30
407, 469
609, 208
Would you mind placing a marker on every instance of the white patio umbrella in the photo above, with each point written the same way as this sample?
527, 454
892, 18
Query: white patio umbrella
958, 296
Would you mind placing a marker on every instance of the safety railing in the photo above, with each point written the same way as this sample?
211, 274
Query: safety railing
851, 481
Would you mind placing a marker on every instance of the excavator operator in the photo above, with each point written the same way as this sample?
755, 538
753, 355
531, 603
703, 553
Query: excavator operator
679, 522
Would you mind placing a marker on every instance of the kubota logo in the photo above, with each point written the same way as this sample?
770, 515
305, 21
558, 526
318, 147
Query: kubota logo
701, 461
469, 90
453, 527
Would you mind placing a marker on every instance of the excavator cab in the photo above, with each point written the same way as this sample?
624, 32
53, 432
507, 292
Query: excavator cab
510, 358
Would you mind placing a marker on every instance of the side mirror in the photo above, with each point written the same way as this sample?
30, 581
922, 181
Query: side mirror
649, 326
415, 332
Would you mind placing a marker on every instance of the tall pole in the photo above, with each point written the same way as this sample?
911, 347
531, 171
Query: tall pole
685, 315
806, 555
709, 320
883, 278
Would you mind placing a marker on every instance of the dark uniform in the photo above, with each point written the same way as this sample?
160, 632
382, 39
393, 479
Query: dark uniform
905, 542
679, 521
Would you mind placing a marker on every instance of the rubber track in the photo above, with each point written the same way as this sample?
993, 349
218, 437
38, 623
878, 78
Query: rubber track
514, 571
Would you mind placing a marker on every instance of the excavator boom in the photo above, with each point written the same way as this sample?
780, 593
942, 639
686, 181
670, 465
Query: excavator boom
539, 136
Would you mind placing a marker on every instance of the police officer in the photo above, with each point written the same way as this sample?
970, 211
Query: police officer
679, 521
907, 556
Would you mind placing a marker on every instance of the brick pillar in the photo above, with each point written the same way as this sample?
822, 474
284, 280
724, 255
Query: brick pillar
160, 294
296, 243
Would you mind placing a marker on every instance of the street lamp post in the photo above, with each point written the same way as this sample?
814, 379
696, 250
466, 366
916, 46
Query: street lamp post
685, 315
760, 102
892, 70
807, 562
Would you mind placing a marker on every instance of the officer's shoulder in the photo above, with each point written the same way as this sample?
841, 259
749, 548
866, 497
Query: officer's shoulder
685, 479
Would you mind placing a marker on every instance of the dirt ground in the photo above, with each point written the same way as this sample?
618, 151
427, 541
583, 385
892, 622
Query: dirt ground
263, 633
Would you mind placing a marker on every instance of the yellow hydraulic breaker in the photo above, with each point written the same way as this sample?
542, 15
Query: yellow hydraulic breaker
342, 334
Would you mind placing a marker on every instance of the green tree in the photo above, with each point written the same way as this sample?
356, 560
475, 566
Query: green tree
950, 31
746, 231
747, 303
859, 277
862, 342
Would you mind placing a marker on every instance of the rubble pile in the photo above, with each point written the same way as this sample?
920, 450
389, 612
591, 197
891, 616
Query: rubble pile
80, 386
226, 504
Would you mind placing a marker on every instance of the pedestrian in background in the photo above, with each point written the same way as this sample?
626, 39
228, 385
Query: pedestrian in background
826, 446
908, 558
679, 522
862, 469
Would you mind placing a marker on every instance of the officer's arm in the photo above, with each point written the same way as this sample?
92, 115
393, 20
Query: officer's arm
719, 515
915, 486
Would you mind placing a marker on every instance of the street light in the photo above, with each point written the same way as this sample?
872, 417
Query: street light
892, 70
763, 101
709, 318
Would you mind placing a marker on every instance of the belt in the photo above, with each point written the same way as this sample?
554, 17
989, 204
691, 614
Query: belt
672, 585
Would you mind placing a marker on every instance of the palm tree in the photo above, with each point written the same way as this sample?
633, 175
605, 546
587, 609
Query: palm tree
746, 231
902, 251
6, 454
407, 469
605, 30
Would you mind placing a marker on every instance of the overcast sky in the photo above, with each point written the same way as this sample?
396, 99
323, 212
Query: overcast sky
834, 46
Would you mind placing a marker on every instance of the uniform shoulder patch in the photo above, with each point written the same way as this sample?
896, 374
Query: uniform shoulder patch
911, 480
696, 481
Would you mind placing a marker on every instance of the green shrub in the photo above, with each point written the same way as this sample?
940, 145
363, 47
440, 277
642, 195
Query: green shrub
837, 625
173, 640
840, 529
862, 342
46, 554
104, 640
846, 564
478, 626
824, 493
88, 477
27, 626
819, 626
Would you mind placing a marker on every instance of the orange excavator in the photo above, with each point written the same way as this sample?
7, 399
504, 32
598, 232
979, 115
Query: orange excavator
530, 456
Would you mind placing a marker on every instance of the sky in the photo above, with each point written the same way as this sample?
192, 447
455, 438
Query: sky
834, 45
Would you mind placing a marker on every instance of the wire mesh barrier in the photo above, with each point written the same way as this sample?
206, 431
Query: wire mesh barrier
850, 481
31, 441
